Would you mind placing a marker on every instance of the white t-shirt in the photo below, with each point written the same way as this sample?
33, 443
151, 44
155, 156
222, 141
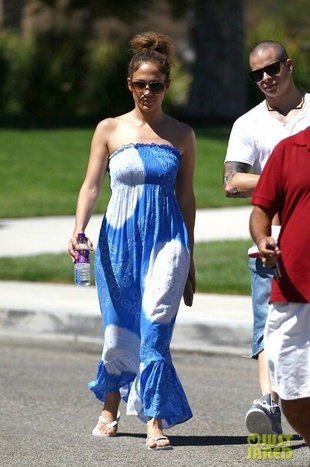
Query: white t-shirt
257, 132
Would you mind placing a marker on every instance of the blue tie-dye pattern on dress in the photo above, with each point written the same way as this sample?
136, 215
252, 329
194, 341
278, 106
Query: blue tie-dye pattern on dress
141, 265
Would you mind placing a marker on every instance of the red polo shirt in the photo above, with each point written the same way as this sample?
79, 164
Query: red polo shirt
284, 186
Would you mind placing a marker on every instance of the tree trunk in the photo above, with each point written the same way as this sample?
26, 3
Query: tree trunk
11, 13
219, 80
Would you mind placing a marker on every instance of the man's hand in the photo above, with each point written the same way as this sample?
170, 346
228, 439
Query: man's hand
269, 252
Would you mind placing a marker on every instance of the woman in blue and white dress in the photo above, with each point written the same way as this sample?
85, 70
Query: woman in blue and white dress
145, 249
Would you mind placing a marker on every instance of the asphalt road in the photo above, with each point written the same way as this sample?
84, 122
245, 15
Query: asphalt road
47, 412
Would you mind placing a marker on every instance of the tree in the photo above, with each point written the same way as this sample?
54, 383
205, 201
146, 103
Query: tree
122, 9
216, 36
216, 33
11, 13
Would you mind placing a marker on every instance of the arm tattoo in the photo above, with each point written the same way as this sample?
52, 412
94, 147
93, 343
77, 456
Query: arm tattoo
230, 169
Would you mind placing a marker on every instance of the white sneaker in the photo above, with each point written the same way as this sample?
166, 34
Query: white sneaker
264, 417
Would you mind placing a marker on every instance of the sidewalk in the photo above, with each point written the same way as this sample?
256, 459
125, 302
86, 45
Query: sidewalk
215, 323
51, 234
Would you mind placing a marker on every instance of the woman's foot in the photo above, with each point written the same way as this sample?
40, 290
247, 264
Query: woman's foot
155, 437
105, 428
108, 421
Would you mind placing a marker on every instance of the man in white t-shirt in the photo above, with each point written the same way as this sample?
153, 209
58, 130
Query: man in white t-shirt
284, 112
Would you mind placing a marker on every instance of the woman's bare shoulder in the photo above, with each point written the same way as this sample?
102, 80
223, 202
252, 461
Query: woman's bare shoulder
114, 132
182, 134
108, 124
179, 126
112, 124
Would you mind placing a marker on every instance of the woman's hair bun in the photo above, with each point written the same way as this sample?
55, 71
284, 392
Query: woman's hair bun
151, 40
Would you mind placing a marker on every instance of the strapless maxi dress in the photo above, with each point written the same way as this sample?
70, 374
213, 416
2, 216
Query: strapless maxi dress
141, 265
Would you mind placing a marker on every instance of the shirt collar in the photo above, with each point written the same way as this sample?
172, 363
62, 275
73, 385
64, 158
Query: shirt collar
303, 138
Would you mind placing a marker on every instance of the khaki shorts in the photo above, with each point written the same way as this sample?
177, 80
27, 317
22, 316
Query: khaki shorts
287, 347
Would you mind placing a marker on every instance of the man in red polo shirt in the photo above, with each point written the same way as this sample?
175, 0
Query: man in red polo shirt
284, 187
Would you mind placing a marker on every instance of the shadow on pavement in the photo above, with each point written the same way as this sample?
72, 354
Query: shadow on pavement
210, 440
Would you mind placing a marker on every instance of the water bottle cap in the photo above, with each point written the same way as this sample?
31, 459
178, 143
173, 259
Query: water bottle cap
81, 235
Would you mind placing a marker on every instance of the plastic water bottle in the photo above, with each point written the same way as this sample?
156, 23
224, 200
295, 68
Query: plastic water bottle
82, 263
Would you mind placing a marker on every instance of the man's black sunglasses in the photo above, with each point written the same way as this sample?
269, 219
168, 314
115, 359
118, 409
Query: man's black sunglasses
156, 87
271, 70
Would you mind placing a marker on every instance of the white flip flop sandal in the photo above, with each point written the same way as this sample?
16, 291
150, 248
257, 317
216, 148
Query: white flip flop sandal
97, 433
157, 447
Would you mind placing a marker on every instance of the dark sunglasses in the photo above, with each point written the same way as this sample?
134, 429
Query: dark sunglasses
271, 70
156, 87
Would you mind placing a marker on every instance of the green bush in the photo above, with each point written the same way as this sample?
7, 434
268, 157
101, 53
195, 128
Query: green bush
54, 78
40, 74
56, 73
59, 73
16, 55
104, 87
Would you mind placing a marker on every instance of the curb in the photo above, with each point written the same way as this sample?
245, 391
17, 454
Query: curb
215, 323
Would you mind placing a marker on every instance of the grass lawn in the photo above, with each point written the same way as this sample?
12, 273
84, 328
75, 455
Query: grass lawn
42, 171
41, 174
221, 267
